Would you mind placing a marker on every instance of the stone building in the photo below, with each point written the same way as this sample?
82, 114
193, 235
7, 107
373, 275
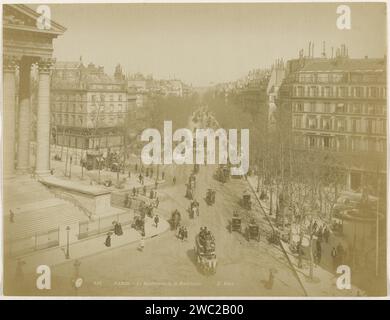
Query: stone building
27, 48
89, 108
338, 105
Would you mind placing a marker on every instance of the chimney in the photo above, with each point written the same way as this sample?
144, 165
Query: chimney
312, 49
323, 49
309, 49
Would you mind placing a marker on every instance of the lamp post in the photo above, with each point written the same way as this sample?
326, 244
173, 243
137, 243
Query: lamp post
67, 242
70, 168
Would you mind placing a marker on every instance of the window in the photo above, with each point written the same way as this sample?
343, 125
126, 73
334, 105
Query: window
323, 77
298, 107
326, 124
341, 144
312, 123
371, 144
343, 91
313, 91
357, 108
326, 142
312, 142
340, 125
379, 110
355, 125
381, 126
371, 109
312, 107
327, 108
357, 92
370, 126
374, 92
120, 97
298, 122
341, 108
356, 144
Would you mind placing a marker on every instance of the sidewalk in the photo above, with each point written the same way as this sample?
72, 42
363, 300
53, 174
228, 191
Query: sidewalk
91, 176
87, 247
323, 282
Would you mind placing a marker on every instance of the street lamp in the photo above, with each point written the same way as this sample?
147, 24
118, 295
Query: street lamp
67, 242
70, 168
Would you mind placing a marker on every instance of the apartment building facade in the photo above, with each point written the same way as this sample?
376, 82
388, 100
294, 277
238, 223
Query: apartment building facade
338, 105
88, 108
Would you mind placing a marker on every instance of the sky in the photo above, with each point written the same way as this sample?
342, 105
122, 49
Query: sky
203, 44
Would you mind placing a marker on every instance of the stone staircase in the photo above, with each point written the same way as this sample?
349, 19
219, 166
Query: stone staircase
35, 209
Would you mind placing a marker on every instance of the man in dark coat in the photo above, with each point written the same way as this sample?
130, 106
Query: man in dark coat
108, 240
156, 220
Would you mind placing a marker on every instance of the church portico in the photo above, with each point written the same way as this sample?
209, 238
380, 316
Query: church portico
26, 44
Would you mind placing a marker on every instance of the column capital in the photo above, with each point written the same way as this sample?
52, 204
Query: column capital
45, 65
10, 63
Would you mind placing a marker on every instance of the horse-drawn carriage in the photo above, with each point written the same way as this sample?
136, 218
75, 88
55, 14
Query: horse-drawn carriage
210, 196
205, 252
235, 224
139, 223
222, 174
146, 208
175, 219
252, 231
246, 201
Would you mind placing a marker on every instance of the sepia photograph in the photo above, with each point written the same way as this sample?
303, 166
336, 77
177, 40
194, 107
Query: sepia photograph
194, 149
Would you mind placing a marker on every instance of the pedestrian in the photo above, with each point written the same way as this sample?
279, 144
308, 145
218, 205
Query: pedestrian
174, 180
156, 184
108, 240
141, 244
334, 258
326, 234
129, 174
340, 253
11, 216
318, 251
151, 172
151, 193
144, 190
126, 202
136, 167
163, 175
157, 202
134, 191
140, 178
147, 172
156, 220
271, 278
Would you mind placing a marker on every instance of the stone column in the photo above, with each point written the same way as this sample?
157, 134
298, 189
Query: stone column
9, 66
43, 118
23, 155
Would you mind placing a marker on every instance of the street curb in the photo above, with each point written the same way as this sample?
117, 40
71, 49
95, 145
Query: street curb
95, 253
280, 241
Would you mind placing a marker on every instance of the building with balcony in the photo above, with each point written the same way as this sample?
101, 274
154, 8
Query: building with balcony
88, 108
338, 105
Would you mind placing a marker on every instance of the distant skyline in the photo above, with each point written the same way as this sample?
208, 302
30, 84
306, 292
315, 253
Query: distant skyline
210, 43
